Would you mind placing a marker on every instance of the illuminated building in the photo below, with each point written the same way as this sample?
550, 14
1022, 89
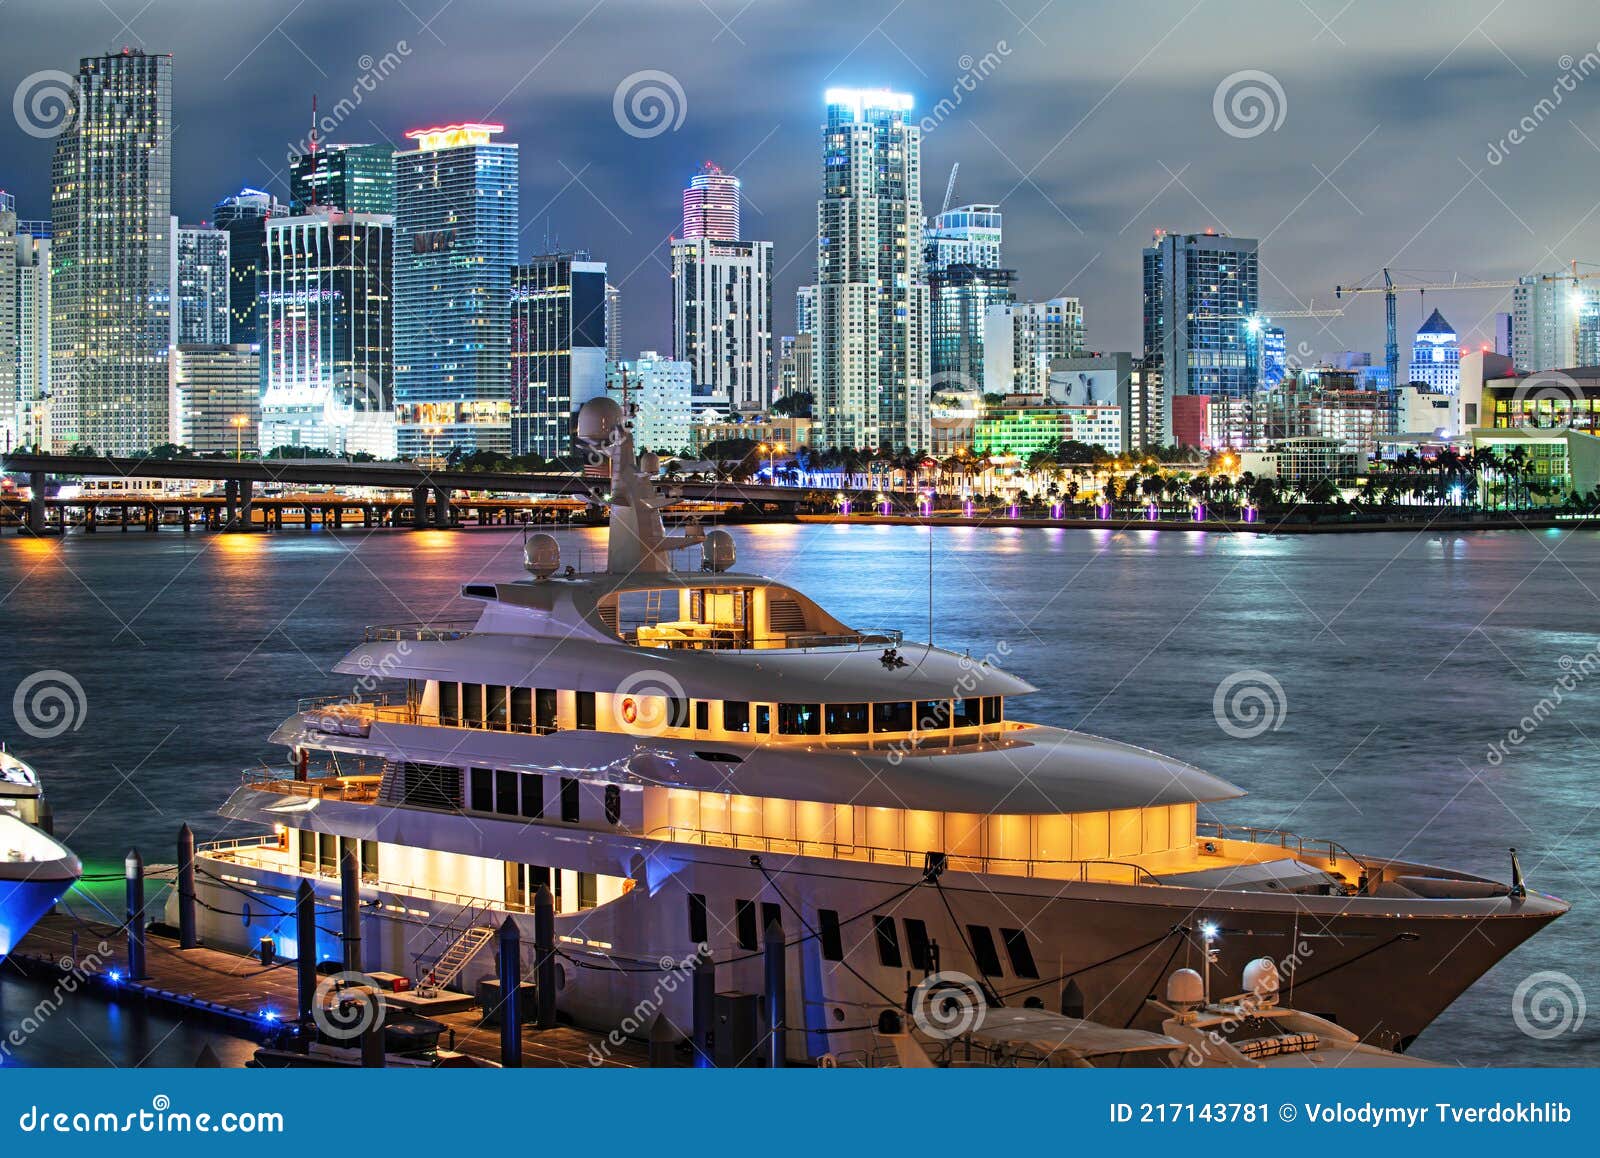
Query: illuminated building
711, 205
959, 297
455, 244
215, 398
327, 315
613, 323
200, 279
1022, 339
244, 217
660, 392
557, 347
966, 235
722, 319
1436, 355
1555, 322
872, 359
111, 301
1108, 380
1025, 424
355, 178
24, 331
805, 309
1274, 356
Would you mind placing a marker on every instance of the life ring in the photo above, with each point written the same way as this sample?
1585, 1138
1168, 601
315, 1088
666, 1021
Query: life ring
630, 709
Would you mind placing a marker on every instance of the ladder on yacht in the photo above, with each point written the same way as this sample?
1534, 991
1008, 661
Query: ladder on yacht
454, 959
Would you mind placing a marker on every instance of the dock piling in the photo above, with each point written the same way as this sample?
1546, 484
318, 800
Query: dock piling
544, 951
663, 1043
133, 870
511, 994
777, 997
188, 938
350, 903
305, 926
705, 1001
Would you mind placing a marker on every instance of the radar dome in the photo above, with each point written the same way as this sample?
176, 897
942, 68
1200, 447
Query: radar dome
1261, 978
719, 552
597, 418
541, 556
1185, 987
650, 463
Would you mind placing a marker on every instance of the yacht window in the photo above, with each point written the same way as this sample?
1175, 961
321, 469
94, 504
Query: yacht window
846, 719
506, 795
799, 719
533, 796
544, 706
570, 796
967, 714
369, 860
697, 606
745, 923
308, 851
497, 707
586, 711
895, 717
472, 705
613, 804
677, 713
771, 915
888, 941
328, 852
522, 709
832, 942
698, 931
918, 947
735, 715
983, 950
1021, 954
763, 719
449, 704
933, 715
993, 713
702, 715
482, 798
588, 890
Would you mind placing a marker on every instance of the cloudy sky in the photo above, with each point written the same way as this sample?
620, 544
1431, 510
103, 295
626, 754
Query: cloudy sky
1386, 138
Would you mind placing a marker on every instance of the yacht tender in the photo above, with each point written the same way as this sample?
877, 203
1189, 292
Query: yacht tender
702, 757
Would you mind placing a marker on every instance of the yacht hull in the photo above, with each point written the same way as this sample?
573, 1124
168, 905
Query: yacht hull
22, 903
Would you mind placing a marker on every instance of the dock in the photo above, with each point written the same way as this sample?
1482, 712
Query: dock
238, 994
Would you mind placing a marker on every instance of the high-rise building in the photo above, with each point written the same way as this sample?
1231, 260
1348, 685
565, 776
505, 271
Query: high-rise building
1502, 333
659, 394
711, 205
872, 357
805, 309
1436, 355
558, 348
613, 323
1555, 323
354, 178
327, 320
959, 299
216, 398
244, 217
24, 333
967, 235
794, 367
1274, 356
1022, 339
1201, 291
200, 277
1097, 381
111, 212
10, 393
455, 244
722, 319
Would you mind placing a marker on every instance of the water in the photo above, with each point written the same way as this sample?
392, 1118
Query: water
1402, 658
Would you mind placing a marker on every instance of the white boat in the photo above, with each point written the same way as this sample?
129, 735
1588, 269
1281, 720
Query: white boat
695, 756
35, 868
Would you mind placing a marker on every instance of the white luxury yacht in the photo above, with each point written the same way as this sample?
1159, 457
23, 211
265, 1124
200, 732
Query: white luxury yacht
35, 868
701, 757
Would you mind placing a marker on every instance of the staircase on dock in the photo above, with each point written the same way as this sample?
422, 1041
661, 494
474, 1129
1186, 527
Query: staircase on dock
455, 958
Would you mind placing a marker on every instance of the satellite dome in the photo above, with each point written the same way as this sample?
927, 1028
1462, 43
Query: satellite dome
541, 556
650, 463
597, 418
1261, 978
1185, 988
718, 551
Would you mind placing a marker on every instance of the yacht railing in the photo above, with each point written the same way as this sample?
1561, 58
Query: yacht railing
1330, 850
734, 638
434, 632
1100, 871
337, 714
325, 781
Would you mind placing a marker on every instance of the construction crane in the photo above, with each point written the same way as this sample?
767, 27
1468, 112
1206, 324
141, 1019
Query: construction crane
950, 187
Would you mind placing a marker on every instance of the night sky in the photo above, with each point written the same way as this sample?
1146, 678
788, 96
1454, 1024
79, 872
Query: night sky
1094, 125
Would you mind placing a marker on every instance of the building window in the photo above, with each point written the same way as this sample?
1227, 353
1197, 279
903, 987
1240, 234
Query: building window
745, 923
1021, 954
888, 942
983, 950
846, 719
735, 715
571, 794
832, 942
799, 719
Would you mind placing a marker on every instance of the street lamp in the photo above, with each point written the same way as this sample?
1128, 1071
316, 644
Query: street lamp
239, 421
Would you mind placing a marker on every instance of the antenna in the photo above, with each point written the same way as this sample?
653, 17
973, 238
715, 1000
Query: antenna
313, 137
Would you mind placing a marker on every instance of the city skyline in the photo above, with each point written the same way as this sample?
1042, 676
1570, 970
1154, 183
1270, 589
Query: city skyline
1122, 146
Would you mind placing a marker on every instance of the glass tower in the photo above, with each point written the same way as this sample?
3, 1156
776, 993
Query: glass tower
355, 178
711, 205
200, 276
244, 217
558, 348
959, 298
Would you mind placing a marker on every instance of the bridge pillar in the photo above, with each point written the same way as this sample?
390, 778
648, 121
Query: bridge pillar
441, 507
36, 510
246, 502
230, 500
419, 508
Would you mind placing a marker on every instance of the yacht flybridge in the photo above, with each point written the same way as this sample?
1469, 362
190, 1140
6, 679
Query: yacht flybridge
690, 758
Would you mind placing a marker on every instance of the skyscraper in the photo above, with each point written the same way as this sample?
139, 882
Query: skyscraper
613, 323
659, 393
1436, 356
872, 354
200, 276
10, 395
1555, 323
1274, 356
805, 309
959, 297
355, 178
24, 332
1200, 292
327, 320
111, 210
966, 235
455, 244
244, 217
711, 205
216, 398
558, 348
1022, 339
